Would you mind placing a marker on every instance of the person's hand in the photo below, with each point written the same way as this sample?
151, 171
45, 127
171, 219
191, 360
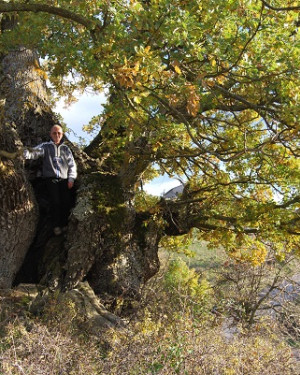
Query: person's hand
70, 184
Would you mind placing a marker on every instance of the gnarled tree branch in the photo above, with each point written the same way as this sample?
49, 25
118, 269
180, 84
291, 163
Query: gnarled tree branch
90, 24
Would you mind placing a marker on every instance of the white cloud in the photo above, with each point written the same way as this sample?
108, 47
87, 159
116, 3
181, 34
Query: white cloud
80, 113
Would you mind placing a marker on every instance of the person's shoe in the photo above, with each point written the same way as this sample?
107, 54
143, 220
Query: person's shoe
57, 231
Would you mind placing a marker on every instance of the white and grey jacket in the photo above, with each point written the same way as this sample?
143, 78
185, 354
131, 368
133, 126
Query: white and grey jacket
58, 161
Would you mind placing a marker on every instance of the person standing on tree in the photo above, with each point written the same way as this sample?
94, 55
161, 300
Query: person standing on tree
59, 172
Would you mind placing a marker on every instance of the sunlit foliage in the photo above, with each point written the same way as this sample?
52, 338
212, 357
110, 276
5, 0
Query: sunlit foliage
207, 90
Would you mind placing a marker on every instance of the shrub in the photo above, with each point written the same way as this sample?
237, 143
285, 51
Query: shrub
186, 289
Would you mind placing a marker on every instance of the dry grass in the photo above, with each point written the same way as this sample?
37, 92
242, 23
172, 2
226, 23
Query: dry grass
49, 344
166, 336
186, 348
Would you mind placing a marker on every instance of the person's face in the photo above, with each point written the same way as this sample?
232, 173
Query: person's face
56, 134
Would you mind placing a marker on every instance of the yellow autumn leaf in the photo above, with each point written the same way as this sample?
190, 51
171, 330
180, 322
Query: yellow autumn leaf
176, 67
220, 79
137, 99
147, 49
136, 66
213, 62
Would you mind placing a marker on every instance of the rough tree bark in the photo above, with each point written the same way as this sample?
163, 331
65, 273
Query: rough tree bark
106, 244
24, 118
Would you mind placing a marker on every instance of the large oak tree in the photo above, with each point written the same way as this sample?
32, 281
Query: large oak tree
205, 90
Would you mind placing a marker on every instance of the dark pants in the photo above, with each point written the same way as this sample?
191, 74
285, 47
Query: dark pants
60, 201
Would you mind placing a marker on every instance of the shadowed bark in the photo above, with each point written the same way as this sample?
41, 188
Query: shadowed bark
106, 242
24, 117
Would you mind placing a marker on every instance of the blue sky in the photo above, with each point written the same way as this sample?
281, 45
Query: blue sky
80, 113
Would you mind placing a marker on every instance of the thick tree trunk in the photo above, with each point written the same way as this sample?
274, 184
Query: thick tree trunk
107, 243
18, 213
25, 115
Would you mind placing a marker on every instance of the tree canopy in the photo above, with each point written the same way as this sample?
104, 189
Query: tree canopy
207, 90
